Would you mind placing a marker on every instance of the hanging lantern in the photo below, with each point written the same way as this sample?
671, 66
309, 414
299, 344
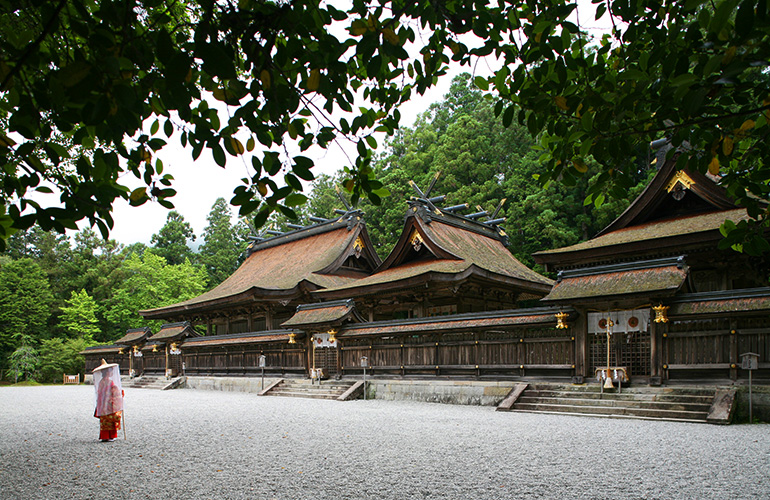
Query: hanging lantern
661, 313
292, 338
560, 317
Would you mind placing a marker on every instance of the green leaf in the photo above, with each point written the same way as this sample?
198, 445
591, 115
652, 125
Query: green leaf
481, 83
295, 199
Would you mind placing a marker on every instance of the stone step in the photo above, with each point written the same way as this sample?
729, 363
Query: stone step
595, 388
694, 416
302, 388
292, 394
625, 396
617, 403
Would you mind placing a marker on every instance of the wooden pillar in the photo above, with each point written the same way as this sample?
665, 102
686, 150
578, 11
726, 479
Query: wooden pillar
269, 318
208, 326
656, 352
165, 371
250, 321
580, 333
734, 349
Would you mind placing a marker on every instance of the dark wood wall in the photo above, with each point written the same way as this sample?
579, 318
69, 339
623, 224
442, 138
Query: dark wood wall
683, 349
498, 353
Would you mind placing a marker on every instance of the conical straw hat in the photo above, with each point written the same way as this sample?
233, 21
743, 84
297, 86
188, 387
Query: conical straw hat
104, 366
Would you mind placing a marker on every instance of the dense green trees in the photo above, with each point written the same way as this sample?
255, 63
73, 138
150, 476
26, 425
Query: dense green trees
223, 243
61, 295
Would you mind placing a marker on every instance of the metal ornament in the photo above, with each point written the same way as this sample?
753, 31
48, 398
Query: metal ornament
661, 313
560, 317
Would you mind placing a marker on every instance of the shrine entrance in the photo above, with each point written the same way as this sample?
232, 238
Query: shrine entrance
630, 345
325, 354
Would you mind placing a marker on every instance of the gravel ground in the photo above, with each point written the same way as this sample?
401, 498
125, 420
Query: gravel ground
203, 444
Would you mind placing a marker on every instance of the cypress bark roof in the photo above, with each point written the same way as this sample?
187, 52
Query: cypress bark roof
458, 322
730, 301
283, 267
661, 277
323, 314
174, 332
239, 338
443, 247
678, 210
135, 336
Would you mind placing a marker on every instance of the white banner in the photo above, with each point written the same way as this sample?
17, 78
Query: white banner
322, 340
637, 320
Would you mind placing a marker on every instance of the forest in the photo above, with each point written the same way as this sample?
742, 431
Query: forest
62, 293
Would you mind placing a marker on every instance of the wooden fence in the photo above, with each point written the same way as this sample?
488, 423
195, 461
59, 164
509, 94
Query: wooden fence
502, 354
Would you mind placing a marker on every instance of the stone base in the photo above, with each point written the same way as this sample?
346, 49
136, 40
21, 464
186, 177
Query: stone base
230, 384
440, 391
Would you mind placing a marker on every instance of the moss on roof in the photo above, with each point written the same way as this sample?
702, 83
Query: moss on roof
638, 281
655, 230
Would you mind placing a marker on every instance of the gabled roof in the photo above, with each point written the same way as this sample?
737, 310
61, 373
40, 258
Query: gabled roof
698, 193
172, 332
659, 277
678, 211
440, 246
285, 266
134, 336
324, 314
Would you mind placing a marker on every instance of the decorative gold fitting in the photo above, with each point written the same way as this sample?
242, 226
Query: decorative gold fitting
732, 365
155, 348
173, 346
661, 313
665, 335
665, 367
120, 351
332, 335
136, 348
679, 178
560, 317
416, 241
521, 367
292, 338
732, 332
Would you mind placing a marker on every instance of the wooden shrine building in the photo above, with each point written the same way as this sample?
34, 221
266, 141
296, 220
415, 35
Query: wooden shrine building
673, 305
650, 297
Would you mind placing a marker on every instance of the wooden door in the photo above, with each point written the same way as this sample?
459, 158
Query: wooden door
326, 359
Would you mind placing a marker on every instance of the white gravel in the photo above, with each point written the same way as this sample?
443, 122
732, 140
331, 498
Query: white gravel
218, 445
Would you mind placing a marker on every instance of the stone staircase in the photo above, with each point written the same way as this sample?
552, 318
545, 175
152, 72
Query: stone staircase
157, 383
685, 404
303, 388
